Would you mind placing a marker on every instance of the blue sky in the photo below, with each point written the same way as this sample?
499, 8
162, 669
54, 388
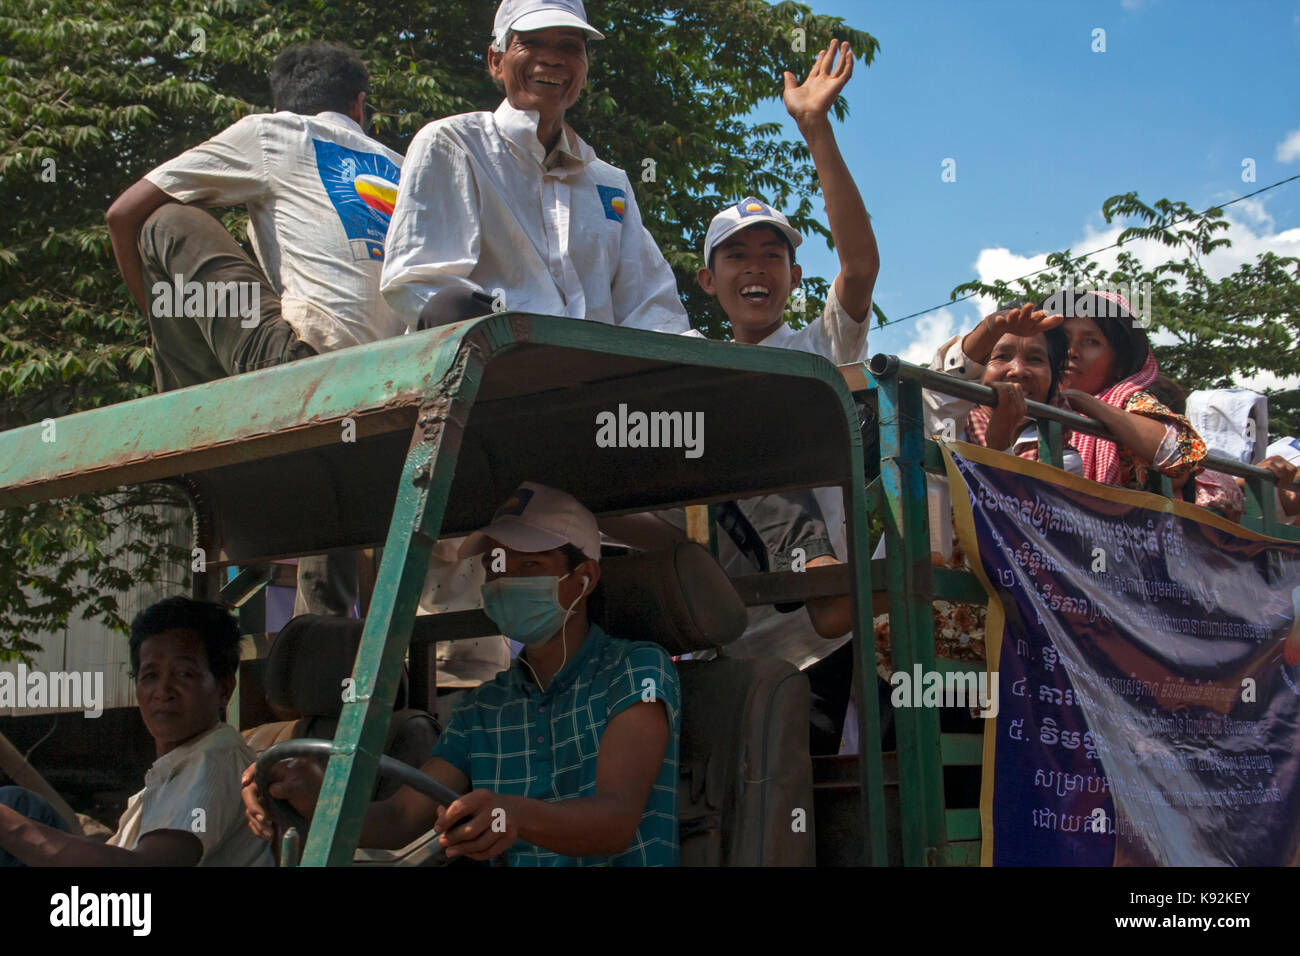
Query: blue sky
1043, 130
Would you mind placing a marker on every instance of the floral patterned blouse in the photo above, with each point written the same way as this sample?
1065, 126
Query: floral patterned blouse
1179, 453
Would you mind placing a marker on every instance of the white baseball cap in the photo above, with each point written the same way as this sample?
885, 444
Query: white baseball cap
748, 212
522, 16
538, 518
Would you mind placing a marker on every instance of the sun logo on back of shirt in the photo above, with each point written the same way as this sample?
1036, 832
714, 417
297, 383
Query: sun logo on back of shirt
362, 188
376, 192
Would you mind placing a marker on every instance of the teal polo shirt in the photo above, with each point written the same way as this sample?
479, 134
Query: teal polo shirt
509, 736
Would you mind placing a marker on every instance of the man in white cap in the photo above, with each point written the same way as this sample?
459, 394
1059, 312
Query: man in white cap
511, 210
749, 254
570, 755
749, 249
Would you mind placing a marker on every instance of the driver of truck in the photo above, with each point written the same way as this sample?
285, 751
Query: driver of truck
184, 655
512, 208
567, 758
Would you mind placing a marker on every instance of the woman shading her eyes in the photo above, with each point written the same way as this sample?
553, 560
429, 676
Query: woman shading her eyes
1019, 352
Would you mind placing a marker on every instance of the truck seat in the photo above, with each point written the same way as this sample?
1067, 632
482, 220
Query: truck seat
745, 796
309, 661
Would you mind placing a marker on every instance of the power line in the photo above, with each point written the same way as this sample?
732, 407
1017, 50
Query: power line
1078, 258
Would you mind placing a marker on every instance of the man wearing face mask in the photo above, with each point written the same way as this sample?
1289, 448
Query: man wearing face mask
577, 741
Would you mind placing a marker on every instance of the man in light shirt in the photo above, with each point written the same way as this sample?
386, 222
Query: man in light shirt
319, 192
184, 656
514, 210
749, 255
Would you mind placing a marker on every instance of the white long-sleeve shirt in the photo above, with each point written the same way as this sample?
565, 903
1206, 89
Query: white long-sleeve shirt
198, 783
482, 207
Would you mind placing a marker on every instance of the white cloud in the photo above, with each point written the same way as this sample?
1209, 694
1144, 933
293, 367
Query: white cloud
1262, 381
1250, 228
1253, 209
1289, 148
931, 331
1000, 263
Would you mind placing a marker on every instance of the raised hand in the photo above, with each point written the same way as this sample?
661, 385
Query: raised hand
812, 99
1024, 321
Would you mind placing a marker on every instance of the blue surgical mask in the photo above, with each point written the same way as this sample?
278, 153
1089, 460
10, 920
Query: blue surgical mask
527, 609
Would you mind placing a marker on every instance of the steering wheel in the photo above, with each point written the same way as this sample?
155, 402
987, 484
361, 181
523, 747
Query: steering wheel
287, 816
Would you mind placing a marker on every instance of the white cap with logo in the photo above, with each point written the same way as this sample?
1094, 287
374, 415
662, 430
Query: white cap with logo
748, 212
538, 518
522, 16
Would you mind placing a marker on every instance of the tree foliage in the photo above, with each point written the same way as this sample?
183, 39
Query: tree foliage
93, 94
1206, 332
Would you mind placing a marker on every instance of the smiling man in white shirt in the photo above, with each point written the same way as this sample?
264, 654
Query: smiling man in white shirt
513, 208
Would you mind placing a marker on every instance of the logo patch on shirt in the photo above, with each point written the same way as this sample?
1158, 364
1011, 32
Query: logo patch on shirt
363, 189
614, 200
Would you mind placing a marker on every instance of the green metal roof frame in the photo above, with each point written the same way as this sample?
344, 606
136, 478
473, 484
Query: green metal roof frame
407, 439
